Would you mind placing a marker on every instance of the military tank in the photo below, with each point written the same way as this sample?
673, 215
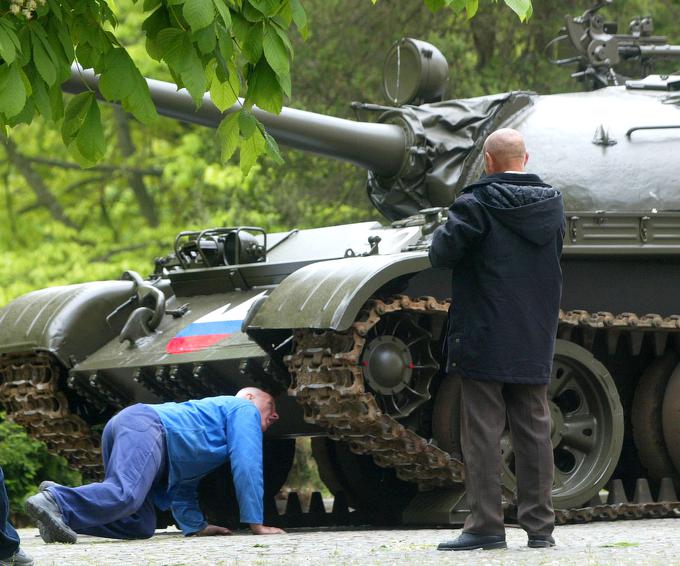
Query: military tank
347, 322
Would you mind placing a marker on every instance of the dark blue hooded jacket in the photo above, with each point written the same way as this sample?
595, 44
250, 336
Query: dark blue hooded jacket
503, 240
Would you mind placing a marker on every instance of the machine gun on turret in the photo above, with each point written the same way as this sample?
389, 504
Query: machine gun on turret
601, 49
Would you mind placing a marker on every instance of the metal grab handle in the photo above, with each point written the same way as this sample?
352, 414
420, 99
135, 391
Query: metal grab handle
636, 128
142, 290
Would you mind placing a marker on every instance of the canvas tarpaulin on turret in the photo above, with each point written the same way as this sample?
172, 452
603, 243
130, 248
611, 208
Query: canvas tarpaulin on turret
451, 135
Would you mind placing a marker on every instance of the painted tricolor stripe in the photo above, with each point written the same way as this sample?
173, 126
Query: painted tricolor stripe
211, 328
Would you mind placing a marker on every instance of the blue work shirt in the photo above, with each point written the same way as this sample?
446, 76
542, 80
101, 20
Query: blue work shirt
201, 436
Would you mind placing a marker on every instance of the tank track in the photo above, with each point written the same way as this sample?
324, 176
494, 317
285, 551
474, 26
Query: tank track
29, 391
327, 380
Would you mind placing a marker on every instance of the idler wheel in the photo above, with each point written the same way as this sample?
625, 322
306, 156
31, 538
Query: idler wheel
671, 418
587, 426
646, 419
397, 361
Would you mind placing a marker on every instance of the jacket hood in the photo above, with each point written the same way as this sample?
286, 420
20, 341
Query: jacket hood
523, 203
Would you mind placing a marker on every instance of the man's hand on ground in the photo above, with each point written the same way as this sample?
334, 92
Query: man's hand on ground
212, 530
264, 530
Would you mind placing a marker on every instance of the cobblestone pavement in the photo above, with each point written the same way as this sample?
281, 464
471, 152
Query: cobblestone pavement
624, 542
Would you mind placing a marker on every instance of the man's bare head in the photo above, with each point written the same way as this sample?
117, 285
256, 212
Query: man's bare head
504, 150
264, 402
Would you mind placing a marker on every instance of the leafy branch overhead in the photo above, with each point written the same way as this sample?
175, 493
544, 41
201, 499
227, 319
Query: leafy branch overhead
224, 47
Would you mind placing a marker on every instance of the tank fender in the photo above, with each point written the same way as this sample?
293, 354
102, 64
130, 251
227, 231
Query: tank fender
68, 321
329, 294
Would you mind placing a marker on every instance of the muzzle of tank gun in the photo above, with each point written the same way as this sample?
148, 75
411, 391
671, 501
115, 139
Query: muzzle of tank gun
389, 149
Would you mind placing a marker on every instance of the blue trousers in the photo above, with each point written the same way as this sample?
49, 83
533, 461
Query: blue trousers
9, 539
134, 454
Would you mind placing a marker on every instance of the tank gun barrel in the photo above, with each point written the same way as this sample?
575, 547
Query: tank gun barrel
381, 148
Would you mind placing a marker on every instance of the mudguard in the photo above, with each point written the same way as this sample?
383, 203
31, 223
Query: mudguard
329, 294
69, 321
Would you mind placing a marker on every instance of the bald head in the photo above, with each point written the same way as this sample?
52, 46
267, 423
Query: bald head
504, 150
263, 401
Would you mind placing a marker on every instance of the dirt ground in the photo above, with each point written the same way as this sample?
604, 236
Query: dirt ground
622, 542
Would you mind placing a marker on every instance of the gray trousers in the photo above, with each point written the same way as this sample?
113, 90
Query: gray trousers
484, 408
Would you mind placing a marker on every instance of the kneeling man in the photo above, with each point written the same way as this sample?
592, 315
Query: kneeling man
158, 454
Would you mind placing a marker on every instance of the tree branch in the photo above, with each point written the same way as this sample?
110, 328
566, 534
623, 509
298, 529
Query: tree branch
131, 248
121, 169
36, 182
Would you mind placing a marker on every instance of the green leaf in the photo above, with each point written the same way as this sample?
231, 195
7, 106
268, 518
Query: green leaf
139, 103
227, 132
61, 32
284, 82
192, 73
223, 11
522, 8
240, 27
251, 148
90, 138
41, 98
55, 8
206, 39
266, 7
264, 89
199, 13
12, 90
74, 115
456, 5
157, 21
252, 46
225, 93
118, 78
224, 43
435, 5
23, 117
43, 63
56, 102
150, 5
300, 18
471, 7
246, 123
272, 149
251, 13
7, 47
275, 51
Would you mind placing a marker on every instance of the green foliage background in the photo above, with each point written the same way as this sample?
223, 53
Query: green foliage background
60, 224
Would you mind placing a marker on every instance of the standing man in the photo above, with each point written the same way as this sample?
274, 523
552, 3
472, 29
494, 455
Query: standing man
503, 240
158, 454
10, 552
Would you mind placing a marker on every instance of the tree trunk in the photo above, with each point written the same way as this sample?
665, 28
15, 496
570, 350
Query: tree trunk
35, 181
127, 148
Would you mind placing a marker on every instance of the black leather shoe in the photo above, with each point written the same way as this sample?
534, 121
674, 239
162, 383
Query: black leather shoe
44, 510
540, 541
19, 558
470, 541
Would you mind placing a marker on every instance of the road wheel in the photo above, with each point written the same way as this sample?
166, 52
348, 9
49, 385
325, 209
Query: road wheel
647, 418
586, 432
367, 486
671, 417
